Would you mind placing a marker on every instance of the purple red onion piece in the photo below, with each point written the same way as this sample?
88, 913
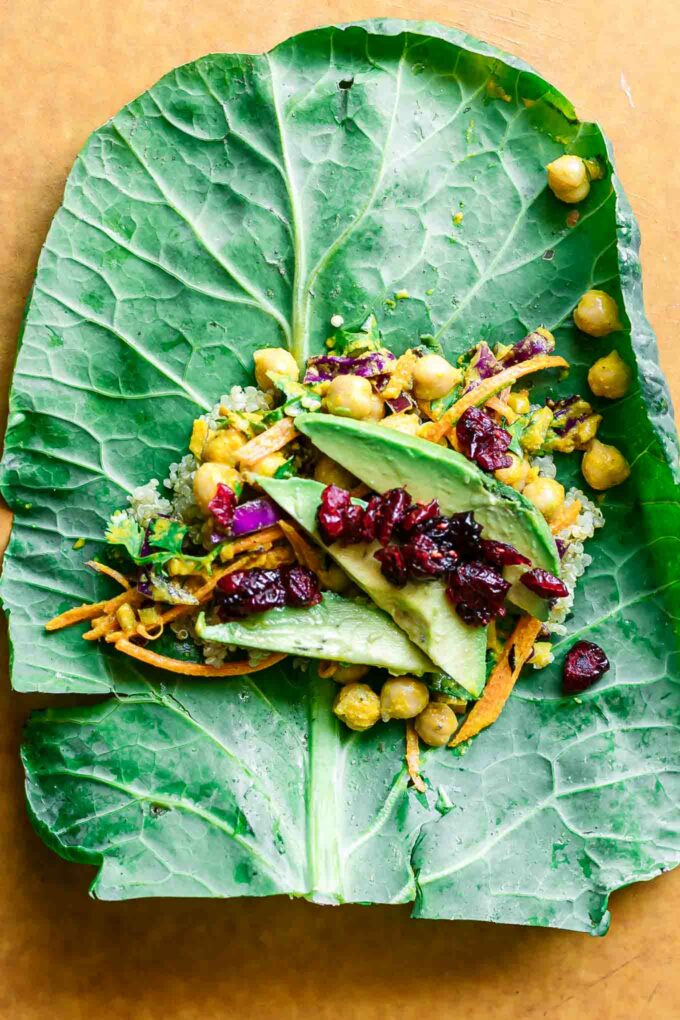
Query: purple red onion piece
254, 516
404, 402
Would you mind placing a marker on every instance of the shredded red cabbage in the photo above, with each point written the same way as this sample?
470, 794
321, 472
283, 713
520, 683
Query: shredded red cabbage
530, 346
327, 366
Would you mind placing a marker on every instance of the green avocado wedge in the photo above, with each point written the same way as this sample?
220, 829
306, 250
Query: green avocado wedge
421, 609
384, 459
338, 628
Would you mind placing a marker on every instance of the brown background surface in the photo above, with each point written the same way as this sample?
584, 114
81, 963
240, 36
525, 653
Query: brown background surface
65, 67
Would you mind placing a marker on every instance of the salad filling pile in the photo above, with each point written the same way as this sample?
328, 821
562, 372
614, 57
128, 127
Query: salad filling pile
259, 533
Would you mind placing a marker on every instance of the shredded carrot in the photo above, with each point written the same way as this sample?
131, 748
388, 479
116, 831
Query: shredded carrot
305, 553
505, 411
147, 635
425, 408
413, 756
100, 628
194, 668
267, 442
259, 540
89, 610
488, 387
115, 575
327, 669
503, 677
565, 517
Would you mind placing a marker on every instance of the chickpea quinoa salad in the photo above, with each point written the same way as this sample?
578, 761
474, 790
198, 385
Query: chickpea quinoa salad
396, 518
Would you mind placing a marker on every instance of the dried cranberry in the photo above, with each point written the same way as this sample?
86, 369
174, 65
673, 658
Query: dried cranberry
498, 554
584, 665
482, 440
394, 505
353, 523
477, 591
369, 520
223, 505
424, 557
331, 513
250, 591
561, 547
256, 590
544, 584
417, 516
301, 586
459, 531
393, 565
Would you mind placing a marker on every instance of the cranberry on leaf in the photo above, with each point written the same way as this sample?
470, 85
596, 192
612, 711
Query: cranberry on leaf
584, 665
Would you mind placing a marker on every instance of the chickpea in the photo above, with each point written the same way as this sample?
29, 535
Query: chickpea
597, 314
403, 422
377, 410
351, 396
223, 446
547, 494
519, 402
403, 698
330, 472
433, 377
516, 474
208, 477
273, 359
350, 674
269, 465
610, 377
436, 724
568, 179
534, 436
357, 706
604, 466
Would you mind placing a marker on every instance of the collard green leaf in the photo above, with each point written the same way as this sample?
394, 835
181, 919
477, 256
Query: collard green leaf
243, 201
223, 790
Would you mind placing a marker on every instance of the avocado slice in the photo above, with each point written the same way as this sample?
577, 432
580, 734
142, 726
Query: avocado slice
384, 459
340, 629
421, 609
